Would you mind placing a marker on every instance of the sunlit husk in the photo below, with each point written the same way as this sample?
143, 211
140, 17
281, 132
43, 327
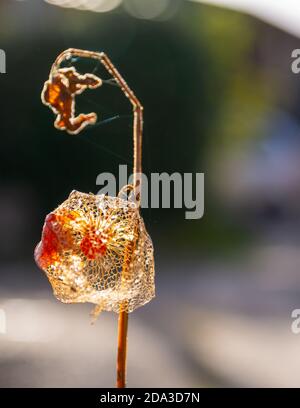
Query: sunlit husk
96, 249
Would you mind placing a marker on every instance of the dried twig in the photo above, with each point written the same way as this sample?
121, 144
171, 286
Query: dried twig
137, 170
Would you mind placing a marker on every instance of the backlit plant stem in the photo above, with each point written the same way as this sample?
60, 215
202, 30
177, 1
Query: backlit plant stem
137, 170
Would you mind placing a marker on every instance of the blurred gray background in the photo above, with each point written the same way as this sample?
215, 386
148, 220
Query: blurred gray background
219, 98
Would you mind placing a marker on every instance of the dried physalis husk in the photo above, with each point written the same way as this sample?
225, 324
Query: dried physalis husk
59, 94
95, 248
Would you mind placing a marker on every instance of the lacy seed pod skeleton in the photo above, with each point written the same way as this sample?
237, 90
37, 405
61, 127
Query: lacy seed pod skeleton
95, 248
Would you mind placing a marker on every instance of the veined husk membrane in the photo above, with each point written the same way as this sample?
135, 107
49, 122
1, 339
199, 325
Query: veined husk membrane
95, 248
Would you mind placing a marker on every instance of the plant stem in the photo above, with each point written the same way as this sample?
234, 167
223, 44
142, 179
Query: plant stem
137, 170
122, 350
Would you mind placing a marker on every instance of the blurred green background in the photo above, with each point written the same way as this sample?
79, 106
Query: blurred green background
220, 98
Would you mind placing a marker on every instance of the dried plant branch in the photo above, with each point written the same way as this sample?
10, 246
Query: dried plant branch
137, 170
